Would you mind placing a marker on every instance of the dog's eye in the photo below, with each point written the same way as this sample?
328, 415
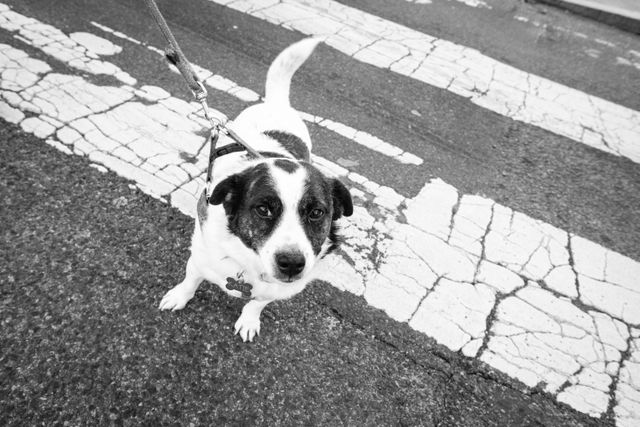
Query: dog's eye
316, 214
263, 211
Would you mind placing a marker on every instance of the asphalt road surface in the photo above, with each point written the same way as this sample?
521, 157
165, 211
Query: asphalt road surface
83, 340
490, 273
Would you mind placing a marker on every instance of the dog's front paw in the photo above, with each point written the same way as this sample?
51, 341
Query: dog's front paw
248, 326
175, 299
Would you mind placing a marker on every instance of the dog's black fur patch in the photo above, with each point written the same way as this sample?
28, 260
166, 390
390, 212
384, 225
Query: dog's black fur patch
291, 143
286, 165
241, 194
334, 238
271, 154
332, 197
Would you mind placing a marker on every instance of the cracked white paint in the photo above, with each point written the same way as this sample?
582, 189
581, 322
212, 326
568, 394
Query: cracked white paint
626, 57
95, 44
57, 44
455, 314
530, 248
436, 220
472, 3
223, 84
365, 139
627, 394
547, 339
471, 221
464, 71
460, 258
560, 309
607, 280
625, 61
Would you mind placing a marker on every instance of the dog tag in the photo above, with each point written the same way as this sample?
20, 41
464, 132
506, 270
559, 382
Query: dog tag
238, 284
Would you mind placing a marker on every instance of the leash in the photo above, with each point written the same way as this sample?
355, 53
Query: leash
174, 55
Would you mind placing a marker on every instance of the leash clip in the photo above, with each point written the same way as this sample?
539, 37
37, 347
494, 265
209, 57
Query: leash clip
201, 96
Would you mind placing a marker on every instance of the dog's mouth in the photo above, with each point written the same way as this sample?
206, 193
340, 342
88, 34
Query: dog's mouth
266, 278
286, 279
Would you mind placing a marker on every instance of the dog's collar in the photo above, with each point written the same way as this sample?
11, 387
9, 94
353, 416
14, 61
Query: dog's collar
233, 147
216, 153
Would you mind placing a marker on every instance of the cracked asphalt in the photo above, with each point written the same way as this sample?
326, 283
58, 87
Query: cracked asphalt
86, 259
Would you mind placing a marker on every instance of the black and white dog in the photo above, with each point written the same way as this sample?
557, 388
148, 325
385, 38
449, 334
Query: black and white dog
268, 220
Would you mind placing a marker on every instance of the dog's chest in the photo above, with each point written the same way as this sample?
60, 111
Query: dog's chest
218, 265
220, 268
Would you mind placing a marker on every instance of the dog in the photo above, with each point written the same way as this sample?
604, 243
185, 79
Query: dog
268, 221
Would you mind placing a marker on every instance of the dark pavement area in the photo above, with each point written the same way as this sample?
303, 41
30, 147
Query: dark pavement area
85, 260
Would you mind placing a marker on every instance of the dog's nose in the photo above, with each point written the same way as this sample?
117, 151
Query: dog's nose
290, 263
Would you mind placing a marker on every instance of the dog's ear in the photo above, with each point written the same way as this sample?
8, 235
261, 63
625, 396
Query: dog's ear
342, 203
229, 193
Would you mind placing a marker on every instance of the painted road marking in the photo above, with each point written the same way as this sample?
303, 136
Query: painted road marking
542, 305
245, 94
472, 3
464, 71
624, 56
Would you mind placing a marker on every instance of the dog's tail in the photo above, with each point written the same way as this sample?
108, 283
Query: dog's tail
284, 66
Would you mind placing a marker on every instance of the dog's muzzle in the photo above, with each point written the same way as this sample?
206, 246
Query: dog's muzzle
289, 265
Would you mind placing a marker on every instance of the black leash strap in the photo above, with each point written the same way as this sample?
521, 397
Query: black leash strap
175, 55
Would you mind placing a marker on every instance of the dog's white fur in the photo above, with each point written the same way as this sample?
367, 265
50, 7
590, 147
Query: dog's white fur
216, 254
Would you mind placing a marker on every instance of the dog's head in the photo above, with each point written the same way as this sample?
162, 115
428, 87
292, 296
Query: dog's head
285, 212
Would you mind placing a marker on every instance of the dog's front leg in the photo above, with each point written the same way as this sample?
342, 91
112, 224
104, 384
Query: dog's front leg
180, 294
248, 324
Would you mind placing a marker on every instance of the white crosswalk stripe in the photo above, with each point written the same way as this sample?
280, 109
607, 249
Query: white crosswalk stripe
534, 301
466, 72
